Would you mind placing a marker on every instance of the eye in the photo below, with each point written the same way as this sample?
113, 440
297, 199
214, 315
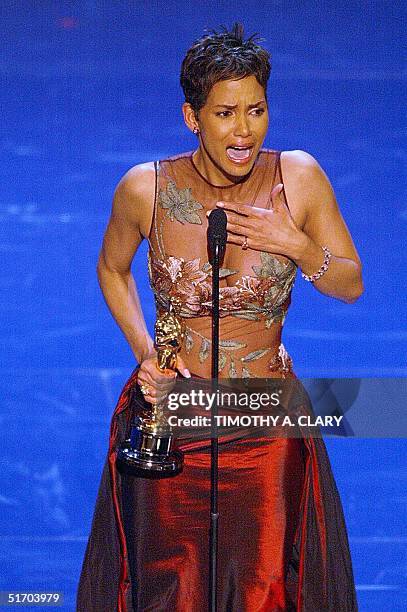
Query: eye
258, 112
223, 113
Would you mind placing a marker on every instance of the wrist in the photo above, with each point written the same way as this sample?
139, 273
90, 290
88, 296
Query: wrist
321, 271
304, 249
144, 354
310, 255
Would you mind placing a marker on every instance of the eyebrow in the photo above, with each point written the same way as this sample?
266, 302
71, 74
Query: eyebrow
232, 106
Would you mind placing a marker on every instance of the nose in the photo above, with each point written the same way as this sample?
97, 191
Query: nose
242, 126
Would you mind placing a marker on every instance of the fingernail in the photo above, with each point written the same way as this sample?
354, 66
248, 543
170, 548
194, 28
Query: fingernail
208, 213
221, 204
187, 373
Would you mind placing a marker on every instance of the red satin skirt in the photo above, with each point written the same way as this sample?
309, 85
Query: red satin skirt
282, 538
260, 487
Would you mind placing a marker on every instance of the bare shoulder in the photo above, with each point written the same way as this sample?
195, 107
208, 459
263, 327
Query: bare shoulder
133, 200
297, 159
304, 178
305, 183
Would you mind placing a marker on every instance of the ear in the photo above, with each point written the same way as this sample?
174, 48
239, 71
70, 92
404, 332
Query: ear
189, 116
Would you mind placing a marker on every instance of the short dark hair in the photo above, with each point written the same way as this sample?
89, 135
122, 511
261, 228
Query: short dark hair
219, 56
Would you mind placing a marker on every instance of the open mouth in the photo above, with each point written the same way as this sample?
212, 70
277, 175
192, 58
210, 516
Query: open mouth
239, 154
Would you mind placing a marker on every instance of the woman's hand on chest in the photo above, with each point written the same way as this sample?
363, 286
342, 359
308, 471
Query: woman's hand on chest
272, 230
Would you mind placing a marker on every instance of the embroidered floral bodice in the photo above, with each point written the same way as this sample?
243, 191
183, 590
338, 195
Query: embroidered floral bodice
255, 286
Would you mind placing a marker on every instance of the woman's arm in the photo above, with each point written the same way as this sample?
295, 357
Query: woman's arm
309, 189
132, 210
313, 220
130, 221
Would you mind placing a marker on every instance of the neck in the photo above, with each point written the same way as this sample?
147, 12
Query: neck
211, 171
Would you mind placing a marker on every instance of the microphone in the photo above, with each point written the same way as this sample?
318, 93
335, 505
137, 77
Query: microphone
216, 234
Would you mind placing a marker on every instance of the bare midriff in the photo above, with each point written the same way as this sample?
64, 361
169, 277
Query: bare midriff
246, 348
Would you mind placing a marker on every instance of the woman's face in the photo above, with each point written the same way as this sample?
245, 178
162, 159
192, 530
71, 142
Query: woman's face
233, 124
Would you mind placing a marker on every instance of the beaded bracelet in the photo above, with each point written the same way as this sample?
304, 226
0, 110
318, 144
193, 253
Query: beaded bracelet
313, 277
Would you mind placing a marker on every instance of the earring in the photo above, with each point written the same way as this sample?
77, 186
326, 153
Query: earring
196, 131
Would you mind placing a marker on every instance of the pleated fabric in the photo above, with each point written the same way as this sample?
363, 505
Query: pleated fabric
282, 537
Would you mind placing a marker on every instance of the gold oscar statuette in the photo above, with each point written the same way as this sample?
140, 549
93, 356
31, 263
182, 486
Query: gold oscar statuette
149, 452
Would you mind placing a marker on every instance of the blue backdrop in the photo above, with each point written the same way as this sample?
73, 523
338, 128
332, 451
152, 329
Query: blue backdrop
91, 88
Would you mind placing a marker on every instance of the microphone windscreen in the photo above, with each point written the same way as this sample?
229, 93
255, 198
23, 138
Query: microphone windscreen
217, 225
217, 233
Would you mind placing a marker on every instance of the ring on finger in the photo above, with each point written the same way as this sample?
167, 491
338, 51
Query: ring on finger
145, 389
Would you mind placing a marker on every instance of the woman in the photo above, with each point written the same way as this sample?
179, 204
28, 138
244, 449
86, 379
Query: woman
282, 537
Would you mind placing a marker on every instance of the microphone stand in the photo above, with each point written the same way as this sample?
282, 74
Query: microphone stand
214, 514
217, 237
